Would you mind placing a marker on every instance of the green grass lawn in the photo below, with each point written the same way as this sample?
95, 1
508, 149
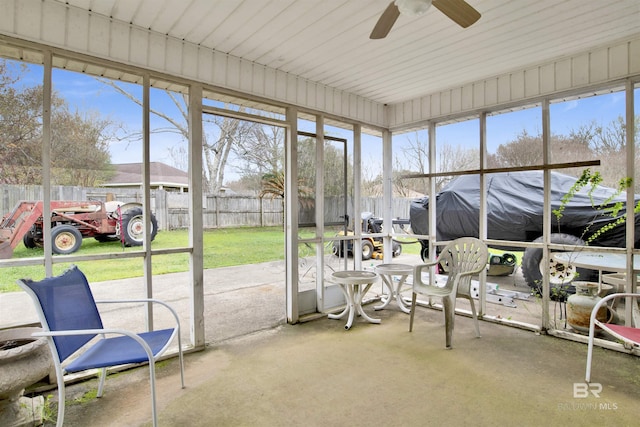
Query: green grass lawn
222, 248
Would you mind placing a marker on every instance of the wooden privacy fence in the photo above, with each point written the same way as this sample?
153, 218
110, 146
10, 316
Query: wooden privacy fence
172, 209
219, 211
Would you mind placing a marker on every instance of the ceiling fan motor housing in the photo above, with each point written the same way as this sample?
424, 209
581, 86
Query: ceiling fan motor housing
413, 7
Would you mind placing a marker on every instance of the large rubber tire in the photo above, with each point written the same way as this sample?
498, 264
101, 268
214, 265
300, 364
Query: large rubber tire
65, 239
560, 276
29, 241
367, 250
32, 239
103, 238
340, 248
396, 249
133, 227
336, 249
424, 252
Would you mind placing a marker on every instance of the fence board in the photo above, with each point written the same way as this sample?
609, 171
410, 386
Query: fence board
172, 209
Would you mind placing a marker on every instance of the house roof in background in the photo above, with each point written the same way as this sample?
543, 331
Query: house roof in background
162, 175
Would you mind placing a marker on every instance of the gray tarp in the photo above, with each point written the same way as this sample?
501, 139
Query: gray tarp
515, 209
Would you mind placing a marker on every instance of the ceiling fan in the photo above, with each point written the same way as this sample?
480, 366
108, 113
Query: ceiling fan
458, 11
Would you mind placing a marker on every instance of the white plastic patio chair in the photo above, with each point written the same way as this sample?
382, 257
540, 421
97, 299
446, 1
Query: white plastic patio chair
462, 259
629, 335
70, 320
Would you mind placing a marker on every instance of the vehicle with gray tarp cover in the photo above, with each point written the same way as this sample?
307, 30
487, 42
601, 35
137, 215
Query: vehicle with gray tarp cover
515, 203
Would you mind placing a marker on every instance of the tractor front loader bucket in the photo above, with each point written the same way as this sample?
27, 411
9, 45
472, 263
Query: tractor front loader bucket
6, 251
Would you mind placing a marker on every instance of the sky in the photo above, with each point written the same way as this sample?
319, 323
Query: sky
86, 93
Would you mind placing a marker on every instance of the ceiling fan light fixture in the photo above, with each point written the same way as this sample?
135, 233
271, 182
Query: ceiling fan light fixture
413, 7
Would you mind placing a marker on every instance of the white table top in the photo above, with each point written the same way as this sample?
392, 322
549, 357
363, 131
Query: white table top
393, 268
354, 277
597, 260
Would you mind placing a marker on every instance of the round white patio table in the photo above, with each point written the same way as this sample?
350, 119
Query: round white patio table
386, 272
354, 285
597, 260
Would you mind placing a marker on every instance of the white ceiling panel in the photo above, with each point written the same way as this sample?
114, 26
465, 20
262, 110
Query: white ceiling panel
327, 41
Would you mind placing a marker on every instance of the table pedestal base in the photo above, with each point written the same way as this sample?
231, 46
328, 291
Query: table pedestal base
353, 293
394, 293
387, 271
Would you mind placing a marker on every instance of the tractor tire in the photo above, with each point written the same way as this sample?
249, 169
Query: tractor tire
103, 238
560, 275
424, 253
65, 239
338, 248
133, 227
367, 250
396, 249
32, 240
29, 241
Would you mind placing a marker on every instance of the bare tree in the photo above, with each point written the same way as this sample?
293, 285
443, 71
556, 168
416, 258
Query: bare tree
455, 158
80, 148
525, 150
449, 158
262, 151
603, 140
416, 159
179, 157
220, 136
588, 141
79, 141
232, 133
371, 182
610, 142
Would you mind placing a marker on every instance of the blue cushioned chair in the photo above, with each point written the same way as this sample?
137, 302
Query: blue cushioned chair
70, 320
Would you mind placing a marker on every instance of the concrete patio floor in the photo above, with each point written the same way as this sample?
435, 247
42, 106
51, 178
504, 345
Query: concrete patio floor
317, 374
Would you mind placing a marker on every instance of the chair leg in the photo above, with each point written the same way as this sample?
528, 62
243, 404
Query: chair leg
587, 375
413, 310
475, 317
61, 397
449, 308
103, 377
152, 380
181, 360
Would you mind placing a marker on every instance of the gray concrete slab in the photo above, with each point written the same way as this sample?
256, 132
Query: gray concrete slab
318, 374
258, 371
238, 300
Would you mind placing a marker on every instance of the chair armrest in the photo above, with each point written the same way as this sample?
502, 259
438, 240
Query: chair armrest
466, 273
71, 332
609, 297
178, 329
152, 300
130, 334
470, 272
417, 270
594, 312
593, 320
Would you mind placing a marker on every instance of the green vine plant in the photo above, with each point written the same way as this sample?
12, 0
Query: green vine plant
559, 296
593, 179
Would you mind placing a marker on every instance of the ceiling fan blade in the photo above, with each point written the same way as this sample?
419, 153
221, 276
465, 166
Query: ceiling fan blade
386, 21
459, 11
